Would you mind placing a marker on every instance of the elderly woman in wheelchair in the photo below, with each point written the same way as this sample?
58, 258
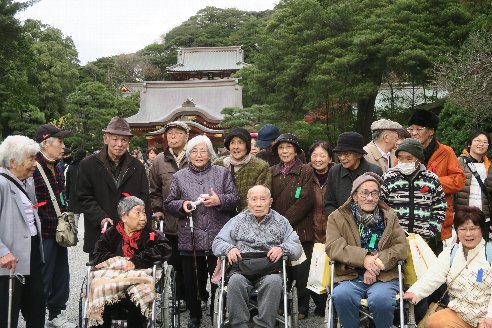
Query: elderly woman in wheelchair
366, 242
258, 230
121, 282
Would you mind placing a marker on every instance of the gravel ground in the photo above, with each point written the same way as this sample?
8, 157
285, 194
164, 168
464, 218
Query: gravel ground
77, 259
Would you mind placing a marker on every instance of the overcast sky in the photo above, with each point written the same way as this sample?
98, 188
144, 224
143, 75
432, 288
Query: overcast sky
103, 28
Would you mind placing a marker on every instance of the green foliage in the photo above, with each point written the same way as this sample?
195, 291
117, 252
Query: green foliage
455, 125
90, 108
316, 52
55, 66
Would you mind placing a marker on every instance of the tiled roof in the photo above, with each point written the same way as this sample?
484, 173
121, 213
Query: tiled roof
161, 101
209, 59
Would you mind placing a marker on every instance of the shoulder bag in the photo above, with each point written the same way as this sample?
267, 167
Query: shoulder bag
66, 229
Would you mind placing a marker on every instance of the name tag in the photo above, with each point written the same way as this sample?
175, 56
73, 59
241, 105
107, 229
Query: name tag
480, 275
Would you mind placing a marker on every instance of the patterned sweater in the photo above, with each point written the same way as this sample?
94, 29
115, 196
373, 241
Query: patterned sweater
418, 200
249, 236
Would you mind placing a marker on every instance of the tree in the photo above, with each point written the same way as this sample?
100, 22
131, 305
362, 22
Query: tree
315, 52
17, 114
90, 109
467, 77
55, 66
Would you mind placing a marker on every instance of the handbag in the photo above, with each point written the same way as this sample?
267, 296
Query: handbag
319, 270
420, 257
434, 307
66, 229
253, 266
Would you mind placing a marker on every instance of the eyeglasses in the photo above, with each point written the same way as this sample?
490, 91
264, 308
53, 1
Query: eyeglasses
418, 130
481, 142
365, 193
471, 229
201, 152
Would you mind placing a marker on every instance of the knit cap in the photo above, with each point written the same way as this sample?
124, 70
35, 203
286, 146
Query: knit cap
411, 146
368, 176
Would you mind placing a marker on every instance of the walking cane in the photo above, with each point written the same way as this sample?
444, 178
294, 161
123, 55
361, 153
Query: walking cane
22, 280
195, 264
192, 206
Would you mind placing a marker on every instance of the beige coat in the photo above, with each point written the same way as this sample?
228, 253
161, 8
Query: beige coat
344, 247
374, 156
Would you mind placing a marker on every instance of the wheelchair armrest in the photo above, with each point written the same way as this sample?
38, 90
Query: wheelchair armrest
91, 263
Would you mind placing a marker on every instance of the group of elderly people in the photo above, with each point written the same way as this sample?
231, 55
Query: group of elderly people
238, 204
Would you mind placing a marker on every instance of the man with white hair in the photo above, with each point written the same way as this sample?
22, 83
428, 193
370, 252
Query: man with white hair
259, 229
56, 274
384, 138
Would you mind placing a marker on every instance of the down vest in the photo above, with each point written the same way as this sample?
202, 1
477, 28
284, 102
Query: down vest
461, 198
189, 184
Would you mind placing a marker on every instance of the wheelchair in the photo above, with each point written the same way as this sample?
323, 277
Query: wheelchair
405, 317
165, 307
289, 298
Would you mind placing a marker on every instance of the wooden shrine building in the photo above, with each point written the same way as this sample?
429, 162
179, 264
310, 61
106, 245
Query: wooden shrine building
201, 87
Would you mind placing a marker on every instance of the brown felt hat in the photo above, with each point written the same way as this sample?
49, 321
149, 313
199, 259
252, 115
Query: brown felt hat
118, 126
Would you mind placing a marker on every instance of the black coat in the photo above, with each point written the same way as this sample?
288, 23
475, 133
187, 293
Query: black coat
339, 183
71, 183
148, 251
98, 194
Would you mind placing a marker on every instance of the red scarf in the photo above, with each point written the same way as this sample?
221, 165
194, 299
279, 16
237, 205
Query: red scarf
129, 242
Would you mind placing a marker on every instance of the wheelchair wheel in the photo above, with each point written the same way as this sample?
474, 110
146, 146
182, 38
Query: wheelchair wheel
294, 315
169, 311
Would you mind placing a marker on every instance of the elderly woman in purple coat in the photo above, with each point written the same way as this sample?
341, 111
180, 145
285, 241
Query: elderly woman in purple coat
214, 187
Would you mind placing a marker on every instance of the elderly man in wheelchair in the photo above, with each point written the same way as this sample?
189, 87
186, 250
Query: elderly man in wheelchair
122, 281
255, 242
366, 242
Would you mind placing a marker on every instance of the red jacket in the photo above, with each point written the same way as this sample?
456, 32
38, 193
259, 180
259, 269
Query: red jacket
444, 163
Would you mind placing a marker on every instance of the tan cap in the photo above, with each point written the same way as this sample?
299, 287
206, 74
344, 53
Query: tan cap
384, 124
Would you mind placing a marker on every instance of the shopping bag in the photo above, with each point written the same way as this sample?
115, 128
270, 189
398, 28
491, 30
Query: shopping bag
319, 271
420, 257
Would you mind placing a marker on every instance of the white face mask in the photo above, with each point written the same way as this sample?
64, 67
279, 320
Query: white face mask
407, 168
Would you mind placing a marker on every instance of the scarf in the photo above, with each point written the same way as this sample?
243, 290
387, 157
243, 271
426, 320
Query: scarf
367, 219
429, 150
237, 165
180, 157
286, 169
129, 242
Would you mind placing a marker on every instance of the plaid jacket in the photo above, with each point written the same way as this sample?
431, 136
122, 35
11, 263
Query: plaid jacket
46, 212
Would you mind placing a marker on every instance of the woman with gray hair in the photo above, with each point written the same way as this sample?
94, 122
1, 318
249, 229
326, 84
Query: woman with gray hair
214, 187
19, 222
131, 239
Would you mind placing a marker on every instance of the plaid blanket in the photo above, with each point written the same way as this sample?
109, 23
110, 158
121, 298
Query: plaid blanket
110, 283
